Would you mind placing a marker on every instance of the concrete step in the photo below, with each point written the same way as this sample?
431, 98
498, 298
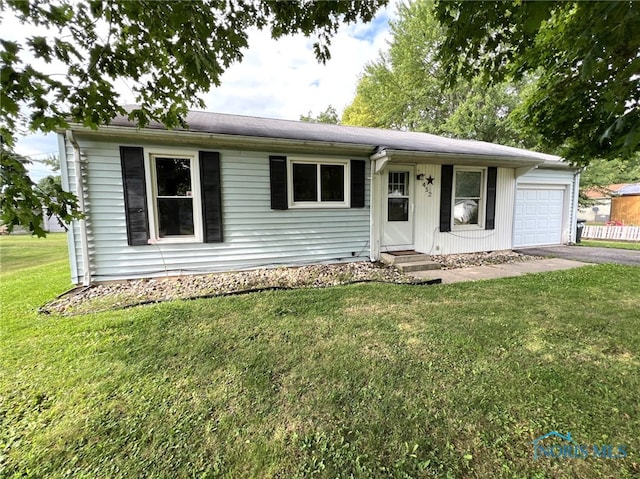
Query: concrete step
391, 259
413, 266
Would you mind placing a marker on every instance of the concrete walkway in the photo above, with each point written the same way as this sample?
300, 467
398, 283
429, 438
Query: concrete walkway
495, 271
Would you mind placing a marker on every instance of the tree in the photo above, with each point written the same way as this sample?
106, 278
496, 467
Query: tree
23, 203
601, 173
169, 51
330, 115
584, 56
405, 89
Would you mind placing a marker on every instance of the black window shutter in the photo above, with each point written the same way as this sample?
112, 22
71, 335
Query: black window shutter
278, 178
135, 195
357, 183
211, 196
446, 190
492, 176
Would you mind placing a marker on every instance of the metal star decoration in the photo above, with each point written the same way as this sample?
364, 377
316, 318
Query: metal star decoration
430, 180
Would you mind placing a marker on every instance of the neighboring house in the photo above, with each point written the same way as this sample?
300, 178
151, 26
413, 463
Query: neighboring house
619, 205
49, 224
235, 192
625, 206
600, 210
52, 224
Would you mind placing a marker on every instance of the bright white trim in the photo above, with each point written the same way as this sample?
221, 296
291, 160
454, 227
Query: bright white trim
384, 196
345, 163
152, 194
483, 199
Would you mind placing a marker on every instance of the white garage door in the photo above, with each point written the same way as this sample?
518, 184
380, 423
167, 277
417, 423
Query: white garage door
538, 217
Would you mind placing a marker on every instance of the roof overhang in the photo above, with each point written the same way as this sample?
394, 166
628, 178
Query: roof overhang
399, 156
221, 141
198, 139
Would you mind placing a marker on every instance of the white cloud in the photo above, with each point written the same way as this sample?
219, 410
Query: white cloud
281, 78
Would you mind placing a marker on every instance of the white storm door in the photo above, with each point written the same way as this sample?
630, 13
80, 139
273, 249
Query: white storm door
398, 209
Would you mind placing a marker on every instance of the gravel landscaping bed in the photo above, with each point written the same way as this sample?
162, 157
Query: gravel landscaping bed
454, 261
109, 296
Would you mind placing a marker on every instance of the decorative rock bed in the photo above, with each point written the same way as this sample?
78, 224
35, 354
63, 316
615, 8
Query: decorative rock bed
107, 296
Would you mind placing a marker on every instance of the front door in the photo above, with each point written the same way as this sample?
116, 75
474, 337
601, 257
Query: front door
398, 209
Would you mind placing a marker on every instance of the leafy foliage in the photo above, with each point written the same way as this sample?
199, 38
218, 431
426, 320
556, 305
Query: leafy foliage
406, 89
24, 203
586, 99
330, 116
170, 52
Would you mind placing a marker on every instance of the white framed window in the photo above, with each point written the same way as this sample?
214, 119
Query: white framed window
318, 183
175, 200
469, 193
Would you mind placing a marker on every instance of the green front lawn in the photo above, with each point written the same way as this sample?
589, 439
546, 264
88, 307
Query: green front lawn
359, 381
610, 244
19, 252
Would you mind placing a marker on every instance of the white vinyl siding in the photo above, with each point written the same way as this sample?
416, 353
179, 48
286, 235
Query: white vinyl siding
254, 234
429, 239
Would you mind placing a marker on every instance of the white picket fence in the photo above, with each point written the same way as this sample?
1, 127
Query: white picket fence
626, 233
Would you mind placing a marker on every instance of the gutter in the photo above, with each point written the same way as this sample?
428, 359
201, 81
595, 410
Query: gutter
86, 266
458, 158
223, 140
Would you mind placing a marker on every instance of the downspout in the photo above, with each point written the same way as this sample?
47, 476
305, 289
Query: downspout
84, 242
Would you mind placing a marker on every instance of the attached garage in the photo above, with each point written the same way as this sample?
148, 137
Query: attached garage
538, 217
544, 208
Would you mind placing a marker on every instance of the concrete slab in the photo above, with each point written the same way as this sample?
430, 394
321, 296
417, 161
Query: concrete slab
507, 270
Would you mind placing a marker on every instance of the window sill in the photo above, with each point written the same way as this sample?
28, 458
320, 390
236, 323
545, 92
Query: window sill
175, 240
318, 206
467, 228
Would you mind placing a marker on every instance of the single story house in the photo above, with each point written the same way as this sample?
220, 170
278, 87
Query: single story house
234, 192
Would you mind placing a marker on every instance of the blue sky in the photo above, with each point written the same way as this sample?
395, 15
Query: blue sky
276, 79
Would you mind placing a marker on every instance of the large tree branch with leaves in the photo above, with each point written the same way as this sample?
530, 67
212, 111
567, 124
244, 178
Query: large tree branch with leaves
24, 203
585, 56
170, 52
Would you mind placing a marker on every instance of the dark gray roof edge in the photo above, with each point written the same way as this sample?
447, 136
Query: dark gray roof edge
251, 126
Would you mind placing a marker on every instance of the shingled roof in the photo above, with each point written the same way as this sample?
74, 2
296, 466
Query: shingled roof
377, 139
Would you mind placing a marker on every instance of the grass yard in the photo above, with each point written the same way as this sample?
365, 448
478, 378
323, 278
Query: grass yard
611, 244
359, 381
20, 252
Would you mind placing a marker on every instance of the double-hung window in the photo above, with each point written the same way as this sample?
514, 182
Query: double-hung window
175, 197
468, 197
171, 197
318, 183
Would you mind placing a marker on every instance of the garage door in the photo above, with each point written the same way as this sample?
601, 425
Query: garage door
538, 217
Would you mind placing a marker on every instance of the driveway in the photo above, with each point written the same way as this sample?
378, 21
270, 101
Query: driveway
587, 254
